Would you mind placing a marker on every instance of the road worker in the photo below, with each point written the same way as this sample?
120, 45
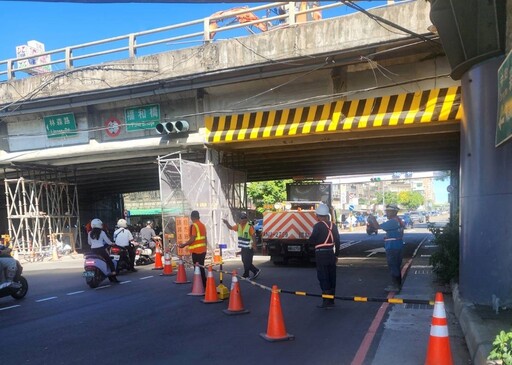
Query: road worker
247, 244
393, 243
326, 238
197, 243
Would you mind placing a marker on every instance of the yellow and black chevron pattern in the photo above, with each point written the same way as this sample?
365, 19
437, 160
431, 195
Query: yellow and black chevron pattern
429, 106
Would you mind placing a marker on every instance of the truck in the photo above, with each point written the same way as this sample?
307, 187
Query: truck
286, 230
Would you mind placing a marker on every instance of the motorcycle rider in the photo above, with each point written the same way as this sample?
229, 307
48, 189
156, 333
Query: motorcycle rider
97, 239
148, 235
123, 238
8, 267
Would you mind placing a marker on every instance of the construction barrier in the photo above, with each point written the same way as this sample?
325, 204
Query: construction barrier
236, 305
197, 283
182, 274
276, 330
210, 295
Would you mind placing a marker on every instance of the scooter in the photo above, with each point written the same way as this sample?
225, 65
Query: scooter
20, 290
120, 257
96, 270
143, 255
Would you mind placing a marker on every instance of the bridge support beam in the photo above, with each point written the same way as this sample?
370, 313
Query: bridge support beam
486, 193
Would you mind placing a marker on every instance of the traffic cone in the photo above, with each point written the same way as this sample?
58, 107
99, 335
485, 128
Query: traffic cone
158, 259
236, 305
211, 289
197, 284
276, 330
182, 274
167, 265
438, 352
55, 255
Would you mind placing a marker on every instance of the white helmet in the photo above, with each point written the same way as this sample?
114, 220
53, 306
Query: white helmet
122, 223
96, 223
322, 209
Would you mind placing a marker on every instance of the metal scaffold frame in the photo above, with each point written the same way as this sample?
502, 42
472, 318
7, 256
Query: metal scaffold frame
39, 213
215, 191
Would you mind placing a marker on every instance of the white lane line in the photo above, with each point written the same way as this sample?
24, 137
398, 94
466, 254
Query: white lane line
125, 282
75, 292
45, 299
12, 306
348, 244
146, 277
103, 287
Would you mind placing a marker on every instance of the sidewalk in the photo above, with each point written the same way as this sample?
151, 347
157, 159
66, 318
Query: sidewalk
471, 328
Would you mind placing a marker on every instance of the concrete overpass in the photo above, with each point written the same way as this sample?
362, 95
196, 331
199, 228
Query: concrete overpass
350, 62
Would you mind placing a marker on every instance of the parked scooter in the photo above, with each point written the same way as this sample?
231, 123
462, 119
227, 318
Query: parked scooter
16, 291
96, 270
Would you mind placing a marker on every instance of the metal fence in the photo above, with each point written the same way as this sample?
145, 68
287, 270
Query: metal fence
230, 23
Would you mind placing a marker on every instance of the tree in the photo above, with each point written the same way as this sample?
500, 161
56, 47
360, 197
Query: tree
267, 192
410, 199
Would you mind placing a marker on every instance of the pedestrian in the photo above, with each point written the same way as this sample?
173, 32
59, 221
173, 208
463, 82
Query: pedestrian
393, 244
247, 244
326, 238
123, 238
197, 243
98, 239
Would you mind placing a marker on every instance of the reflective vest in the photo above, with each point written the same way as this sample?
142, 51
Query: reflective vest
329, 240
199, 244
244, 237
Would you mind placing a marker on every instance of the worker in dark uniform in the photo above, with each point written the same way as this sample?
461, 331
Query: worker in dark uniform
326, 238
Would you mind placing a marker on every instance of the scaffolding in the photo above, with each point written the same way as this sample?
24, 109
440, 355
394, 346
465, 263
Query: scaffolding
40, 214
215, 191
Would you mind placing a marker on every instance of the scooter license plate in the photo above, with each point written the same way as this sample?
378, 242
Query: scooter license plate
88, 274
115, 257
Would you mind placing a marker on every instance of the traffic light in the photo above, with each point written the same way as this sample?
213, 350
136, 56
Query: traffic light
178, 126
375, 179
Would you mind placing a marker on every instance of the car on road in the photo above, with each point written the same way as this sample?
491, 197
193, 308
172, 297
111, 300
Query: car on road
258, 228
416, 217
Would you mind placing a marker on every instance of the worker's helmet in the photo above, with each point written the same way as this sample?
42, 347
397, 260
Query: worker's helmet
121, 223
392, 207
322, 209
96, 223
148, 223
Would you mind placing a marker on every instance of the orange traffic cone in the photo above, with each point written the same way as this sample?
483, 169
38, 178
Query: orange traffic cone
197, 284
211, 289
182, 274
438, 352
158, 259
167, 265
276, 330
236, 305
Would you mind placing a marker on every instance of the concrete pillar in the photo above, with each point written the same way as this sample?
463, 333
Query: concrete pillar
485, 193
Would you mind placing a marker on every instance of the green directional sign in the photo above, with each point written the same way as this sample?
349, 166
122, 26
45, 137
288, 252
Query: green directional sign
504, 124
62, 125
142, 117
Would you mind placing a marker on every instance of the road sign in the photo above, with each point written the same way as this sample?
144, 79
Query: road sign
351, 207
113, 127
142, 117
504, 123
62, 125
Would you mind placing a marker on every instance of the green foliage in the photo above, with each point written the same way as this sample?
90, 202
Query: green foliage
410, 199
267, 192
502, 348
445, 260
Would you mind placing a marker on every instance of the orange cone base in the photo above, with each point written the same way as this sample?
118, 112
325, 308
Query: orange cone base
211, 301
287, 337
182, 282
158, 268
232, 313
171, 274
438, 351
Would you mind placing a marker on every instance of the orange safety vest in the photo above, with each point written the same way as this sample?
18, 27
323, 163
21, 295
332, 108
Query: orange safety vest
199, 244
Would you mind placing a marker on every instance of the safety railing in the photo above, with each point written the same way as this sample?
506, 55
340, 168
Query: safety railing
260, 18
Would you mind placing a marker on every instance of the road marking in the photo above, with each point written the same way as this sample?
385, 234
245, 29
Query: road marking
146, 277
430, 246
103, 287
348, 244
425, 255
12, 306
45, 299
125, 282
75, 292
376, 251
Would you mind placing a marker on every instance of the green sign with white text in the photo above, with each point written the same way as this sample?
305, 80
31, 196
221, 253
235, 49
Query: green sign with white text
62, 125
142, 117
504, 124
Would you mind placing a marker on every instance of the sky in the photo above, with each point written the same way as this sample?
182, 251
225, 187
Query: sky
61, 24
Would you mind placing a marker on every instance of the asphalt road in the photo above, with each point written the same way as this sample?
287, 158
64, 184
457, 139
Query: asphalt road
148, 319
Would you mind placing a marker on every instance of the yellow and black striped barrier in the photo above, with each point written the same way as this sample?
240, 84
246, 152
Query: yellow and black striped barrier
327, 296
